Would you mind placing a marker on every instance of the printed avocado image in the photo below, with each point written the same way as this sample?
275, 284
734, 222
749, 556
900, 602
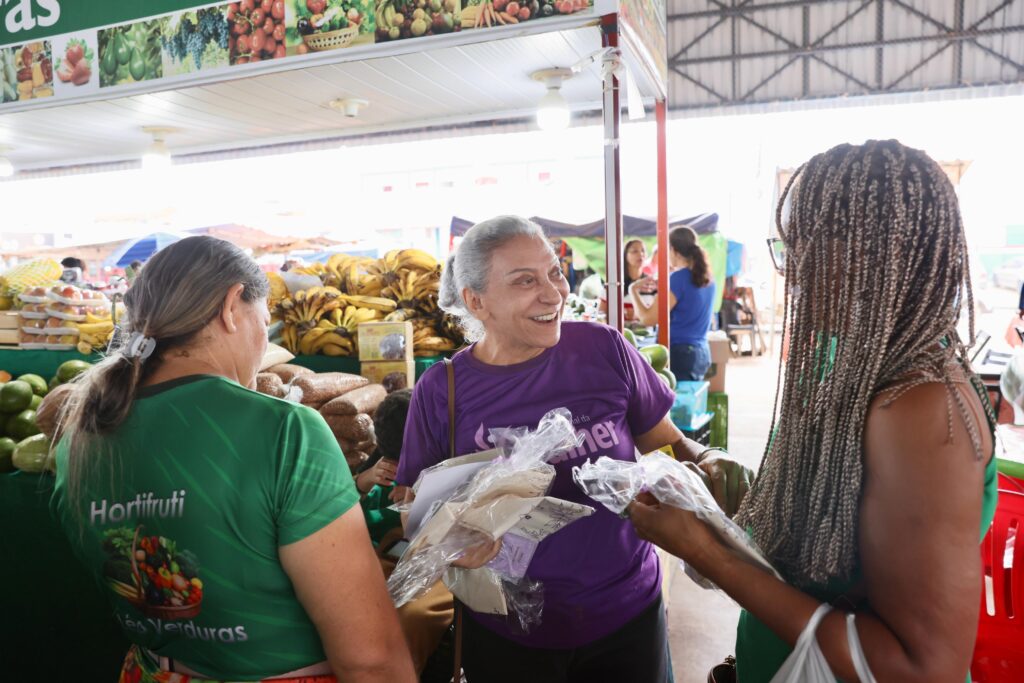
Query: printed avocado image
152, 574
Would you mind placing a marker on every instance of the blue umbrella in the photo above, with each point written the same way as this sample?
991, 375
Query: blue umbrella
141, 249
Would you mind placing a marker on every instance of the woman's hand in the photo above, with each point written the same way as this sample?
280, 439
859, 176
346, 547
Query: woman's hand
382, 473
645, 285
478, 555
726, 478
674, 530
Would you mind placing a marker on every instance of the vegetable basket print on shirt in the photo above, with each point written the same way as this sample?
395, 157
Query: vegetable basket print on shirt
152, 574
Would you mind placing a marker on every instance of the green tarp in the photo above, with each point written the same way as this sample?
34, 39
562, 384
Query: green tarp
715, 243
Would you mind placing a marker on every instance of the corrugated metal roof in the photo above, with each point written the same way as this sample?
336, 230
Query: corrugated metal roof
743, 52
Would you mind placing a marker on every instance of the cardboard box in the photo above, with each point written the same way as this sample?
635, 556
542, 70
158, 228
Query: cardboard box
377, 371
721, 352
385, 342
9, 320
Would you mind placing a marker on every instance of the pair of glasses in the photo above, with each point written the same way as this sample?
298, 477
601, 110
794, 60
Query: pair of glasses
777, 248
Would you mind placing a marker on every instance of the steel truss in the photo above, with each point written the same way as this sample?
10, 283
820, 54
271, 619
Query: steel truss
705, 42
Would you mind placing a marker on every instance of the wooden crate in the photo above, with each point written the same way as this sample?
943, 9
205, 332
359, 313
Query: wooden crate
9, 320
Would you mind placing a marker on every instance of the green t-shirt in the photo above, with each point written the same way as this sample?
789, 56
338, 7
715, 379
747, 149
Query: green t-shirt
380, 519
201, 485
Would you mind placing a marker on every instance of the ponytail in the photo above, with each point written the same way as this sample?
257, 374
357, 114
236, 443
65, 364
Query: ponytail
175, 297
684, 242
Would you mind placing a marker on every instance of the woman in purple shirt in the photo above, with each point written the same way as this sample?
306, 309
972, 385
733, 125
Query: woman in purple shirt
603, 619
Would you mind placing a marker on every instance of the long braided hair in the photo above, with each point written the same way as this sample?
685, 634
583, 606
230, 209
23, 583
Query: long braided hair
876, 276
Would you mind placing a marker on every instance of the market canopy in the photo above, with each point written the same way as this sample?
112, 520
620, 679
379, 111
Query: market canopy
141, 249
632, 226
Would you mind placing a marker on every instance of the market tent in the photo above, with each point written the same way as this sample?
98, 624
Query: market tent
141, 249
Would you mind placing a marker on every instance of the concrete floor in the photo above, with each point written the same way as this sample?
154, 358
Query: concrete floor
701, 623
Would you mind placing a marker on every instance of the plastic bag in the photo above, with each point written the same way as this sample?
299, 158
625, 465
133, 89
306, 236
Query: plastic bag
615, 483
504, 497
807, 664
1011, 383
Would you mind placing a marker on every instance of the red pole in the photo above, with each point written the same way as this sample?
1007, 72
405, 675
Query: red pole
612, 183
663, 311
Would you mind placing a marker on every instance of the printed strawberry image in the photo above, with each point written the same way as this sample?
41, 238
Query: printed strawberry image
152, 574
76, 67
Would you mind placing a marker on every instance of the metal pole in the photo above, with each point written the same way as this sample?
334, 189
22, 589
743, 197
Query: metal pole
663, 311
612, 188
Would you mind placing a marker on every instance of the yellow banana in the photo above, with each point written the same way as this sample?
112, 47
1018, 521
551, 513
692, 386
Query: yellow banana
416, 259
372, 302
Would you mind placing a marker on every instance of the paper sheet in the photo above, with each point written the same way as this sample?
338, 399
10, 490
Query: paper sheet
438, 483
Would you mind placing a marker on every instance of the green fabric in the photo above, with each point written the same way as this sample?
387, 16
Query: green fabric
715, 243
55, 623
213, 479
379, 519
45, 363
42, 363
760, 653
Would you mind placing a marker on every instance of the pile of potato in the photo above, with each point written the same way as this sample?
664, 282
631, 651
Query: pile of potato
347, 403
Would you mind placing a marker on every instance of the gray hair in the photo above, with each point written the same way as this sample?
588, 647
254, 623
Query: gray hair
469, 266
179, 292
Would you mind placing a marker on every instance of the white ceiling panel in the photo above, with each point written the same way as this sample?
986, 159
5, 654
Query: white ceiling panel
449, 86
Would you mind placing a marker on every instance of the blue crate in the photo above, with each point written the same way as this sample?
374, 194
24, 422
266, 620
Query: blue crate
691, 404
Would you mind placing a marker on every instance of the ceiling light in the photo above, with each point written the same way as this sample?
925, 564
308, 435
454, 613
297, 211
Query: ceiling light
349, 107
157, 156
553, 109
6, 167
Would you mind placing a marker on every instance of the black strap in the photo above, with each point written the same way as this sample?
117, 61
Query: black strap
450, 368
451, 406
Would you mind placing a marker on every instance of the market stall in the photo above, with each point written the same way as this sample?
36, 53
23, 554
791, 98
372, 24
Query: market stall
64, 62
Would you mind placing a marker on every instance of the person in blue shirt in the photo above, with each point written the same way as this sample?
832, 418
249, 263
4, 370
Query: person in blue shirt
690, 299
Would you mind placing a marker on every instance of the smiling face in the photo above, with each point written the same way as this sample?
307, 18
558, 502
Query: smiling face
521, 309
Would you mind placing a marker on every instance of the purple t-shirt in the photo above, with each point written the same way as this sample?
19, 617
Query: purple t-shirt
597, 574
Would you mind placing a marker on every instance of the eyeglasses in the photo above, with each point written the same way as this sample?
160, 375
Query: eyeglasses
777, 248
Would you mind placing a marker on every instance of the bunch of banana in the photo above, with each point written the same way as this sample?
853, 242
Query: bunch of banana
316, 269
374, 303
400, 315
427, 342
451, 329
290, 338
413, 288
397, 263
309, 306
336, 334
94, 336
278, 292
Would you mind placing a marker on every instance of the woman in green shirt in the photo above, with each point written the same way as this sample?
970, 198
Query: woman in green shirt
223, 524
880, 474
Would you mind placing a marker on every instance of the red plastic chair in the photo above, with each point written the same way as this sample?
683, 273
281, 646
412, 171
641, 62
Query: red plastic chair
999, 650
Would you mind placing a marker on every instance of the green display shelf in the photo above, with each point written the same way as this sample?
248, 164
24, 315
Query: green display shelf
42, 363
57, 624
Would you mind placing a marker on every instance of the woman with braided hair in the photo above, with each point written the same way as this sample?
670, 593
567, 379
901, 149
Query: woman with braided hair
879, 474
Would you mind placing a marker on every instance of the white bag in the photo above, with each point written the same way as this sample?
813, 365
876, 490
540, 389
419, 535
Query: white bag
807, 664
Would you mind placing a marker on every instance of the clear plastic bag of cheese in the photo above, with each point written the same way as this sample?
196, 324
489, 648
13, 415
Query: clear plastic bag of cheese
615, 483
464, 502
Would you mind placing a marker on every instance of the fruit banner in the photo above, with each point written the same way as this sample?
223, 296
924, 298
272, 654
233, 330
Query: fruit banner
645, 25
91, 50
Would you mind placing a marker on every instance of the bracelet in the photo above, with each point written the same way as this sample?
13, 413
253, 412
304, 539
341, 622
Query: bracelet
708, 450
